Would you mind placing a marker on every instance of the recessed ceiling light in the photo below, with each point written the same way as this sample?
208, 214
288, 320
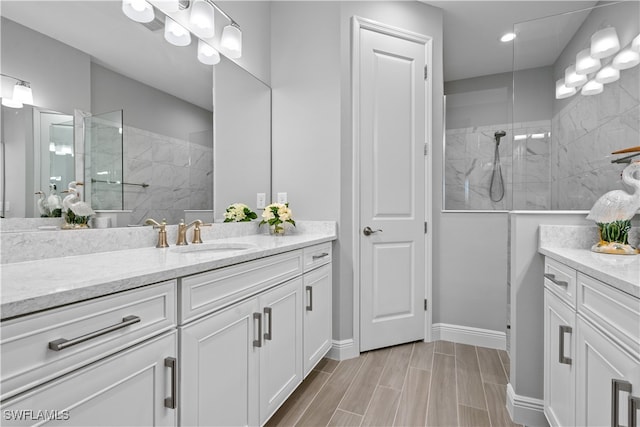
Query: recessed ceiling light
507, 37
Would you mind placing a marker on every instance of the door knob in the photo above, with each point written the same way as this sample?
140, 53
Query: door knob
367, 231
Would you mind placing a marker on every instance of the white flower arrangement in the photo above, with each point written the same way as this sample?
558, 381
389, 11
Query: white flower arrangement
239, 212
277, 214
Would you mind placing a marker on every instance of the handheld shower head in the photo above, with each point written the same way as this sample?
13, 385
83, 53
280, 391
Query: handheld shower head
499, 134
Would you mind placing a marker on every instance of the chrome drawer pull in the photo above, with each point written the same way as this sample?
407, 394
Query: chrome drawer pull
562, 359
634, 405
310, 306
268, 335
552, 277
258, 342
616, 387
322, 255
62, 343
170, 402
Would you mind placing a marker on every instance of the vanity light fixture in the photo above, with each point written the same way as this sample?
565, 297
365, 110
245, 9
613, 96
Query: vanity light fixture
206, 54
563, 91
22, 94
202, 18
573, 79
538, 135
519, 137
635, 44
175, 33
592, 88
585, 63
138, 10
608, 74
231, 40
507, 37
628, 58
604, 43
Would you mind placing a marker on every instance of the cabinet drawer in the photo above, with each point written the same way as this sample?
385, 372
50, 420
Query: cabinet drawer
28, 360
614, 311
315, 256
561, 280
206, 292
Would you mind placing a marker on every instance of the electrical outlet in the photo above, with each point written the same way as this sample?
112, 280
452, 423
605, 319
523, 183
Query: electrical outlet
282, 197
261, 201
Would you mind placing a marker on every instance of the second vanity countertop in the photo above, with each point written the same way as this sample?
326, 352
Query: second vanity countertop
32, 286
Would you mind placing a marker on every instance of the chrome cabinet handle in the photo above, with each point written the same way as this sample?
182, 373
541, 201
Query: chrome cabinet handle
268, 335
62, 343
616, 387
170, 402
634, 405
258, 342
309, 307
552, 277
322, 255
367, 231
562, 359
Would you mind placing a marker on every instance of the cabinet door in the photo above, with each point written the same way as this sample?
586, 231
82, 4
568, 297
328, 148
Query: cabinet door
126, 389
601, 360
317, 316
559, 361
218, 362
281, 352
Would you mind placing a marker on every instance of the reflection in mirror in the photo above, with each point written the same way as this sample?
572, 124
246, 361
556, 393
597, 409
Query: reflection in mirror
556, 152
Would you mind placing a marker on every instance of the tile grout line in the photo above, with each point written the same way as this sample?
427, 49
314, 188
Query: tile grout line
504, 368
404, 384
375, 388
316, 394
366, 356
433, 356
484, 390
455, 374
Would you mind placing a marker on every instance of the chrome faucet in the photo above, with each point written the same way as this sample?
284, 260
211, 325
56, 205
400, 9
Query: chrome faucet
182, 232
162, 233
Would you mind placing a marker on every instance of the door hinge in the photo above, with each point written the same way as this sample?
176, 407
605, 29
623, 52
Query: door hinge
426, 304
426, 227
426, 72
426, 149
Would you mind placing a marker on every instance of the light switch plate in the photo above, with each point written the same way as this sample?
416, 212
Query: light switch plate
282, 198
261, 201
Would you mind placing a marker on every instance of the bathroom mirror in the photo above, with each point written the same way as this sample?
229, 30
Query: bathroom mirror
89, 57
549, 157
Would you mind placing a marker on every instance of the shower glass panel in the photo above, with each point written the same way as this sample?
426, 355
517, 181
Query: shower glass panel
103, 160
57, 164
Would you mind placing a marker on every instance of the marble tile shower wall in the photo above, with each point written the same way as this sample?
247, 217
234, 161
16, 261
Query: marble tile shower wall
469, 159
585, 132
179, 175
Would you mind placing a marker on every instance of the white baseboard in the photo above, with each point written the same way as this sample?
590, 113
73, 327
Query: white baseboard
468, 335
525, 410
342, 350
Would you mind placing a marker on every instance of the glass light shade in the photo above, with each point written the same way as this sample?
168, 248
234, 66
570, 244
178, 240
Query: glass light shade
635, 44
167, 5
507, 37
231, 41
626, 59
138, 10
604, 43
592, 88
607, 75
573, 79
562, 91
202, 18
206, 54
22, 93
175, 33
11, 103
585, 63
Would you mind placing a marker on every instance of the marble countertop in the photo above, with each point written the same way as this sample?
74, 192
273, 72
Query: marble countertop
619, 271
32, 286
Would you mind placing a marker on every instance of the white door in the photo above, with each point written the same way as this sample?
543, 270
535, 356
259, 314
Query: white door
391, 100
219, 368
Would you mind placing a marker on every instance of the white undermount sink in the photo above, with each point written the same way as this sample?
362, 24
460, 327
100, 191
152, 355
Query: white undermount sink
213, 247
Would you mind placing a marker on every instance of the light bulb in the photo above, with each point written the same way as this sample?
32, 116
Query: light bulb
231, 40
604, 43
138, 10
592, 88
607, 75
175, 33
573, 79
626, 59
507, 37
202, 18
585, 63
562, 91
206, 54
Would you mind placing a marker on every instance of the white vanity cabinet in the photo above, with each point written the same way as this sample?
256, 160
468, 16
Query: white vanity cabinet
106, 361
592, 350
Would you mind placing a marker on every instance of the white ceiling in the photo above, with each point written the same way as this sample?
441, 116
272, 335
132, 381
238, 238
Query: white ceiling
472, 30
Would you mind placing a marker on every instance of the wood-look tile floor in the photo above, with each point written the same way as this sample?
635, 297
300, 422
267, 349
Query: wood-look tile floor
416, 384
